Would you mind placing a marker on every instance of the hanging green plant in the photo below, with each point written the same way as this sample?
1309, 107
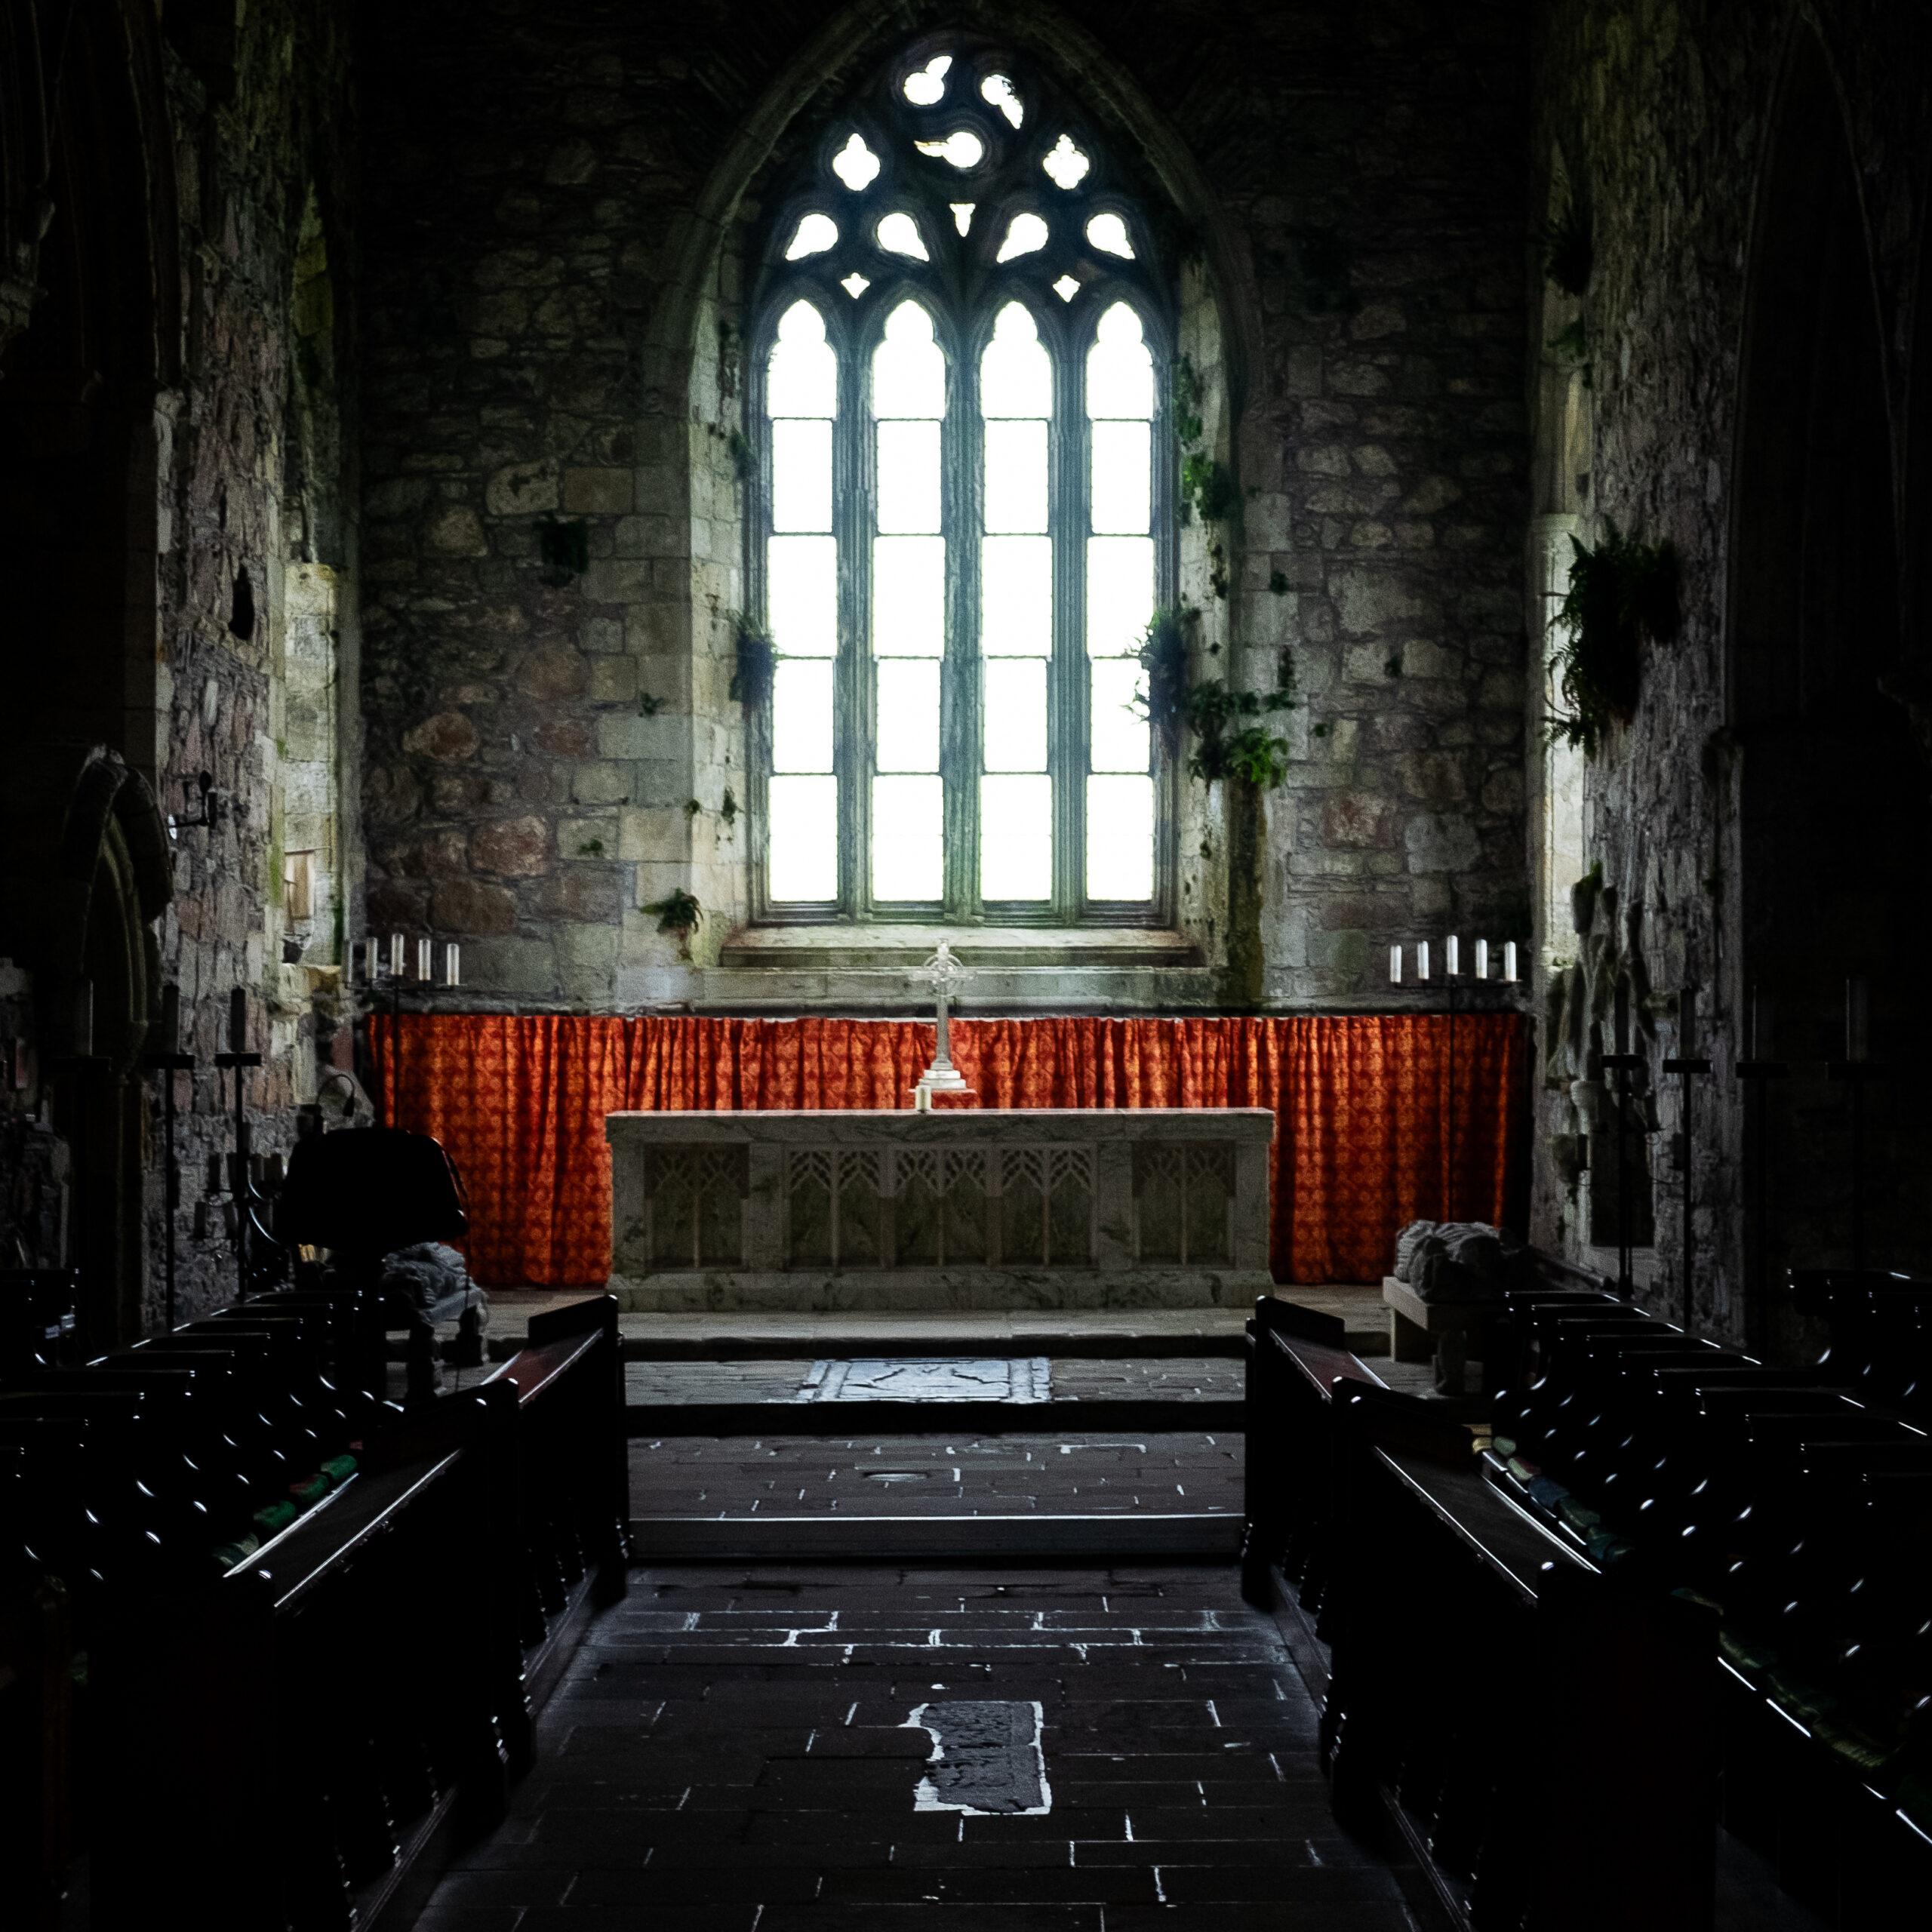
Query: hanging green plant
1162, 696
1619, 593
1571, 343
751, 673
1226, 748
1186, 402
677, 912
1568, 254
1206, 490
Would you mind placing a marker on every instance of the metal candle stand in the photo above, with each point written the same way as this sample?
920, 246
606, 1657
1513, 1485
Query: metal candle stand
1687, 1069
168, 1065
1452, 972
1855, 1073
1622, 1064
241, 1180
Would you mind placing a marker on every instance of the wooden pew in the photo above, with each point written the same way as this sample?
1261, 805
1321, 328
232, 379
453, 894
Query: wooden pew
1541, 1742
303, 1738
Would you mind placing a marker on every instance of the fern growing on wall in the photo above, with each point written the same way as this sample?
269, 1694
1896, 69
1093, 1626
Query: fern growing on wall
1620, 593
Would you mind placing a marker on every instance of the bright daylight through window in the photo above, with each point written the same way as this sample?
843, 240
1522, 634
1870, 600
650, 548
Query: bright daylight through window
963, 525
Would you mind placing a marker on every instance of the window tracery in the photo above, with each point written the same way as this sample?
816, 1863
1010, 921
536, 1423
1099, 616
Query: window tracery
965, 520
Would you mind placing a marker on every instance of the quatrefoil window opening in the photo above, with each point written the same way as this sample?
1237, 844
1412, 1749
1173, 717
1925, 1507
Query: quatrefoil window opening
952, 726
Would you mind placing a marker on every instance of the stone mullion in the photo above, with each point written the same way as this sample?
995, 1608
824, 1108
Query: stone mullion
1167, 592
1067, 517
757, 595
854, 494
961, 515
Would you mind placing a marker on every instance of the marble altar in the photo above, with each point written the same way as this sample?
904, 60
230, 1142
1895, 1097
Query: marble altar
984, 1208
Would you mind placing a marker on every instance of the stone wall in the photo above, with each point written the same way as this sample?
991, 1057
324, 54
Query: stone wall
192, 599
560, 198
1670, 119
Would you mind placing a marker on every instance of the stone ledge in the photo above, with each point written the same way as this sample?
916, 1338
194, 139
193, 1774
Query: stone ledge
896, 950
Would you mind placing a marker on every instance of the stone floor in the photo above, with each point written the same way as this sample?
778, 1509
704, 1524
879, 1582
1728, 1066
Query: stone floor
902, 1474
1173, 1379
734, 1751
1116, 1332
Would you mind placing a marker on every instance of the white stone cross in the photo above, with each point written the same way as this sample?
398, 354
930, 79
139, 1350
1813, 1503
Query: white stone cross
944, 974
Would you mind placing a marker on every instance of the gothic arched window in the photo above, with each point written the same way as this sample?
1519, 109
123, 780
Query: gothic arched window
965, 520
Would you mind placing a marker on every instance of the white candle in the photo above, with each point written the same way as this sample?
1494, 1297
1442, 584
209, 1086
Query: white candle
238, 1021
1509, 959
1395, 965
452, 964
1453, 964
423, 956
1482, 959
1422, 959
396, 955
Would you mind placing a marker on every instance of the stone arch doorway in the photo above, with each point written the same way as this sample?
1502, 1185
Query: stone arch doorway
1831, 814
98, 953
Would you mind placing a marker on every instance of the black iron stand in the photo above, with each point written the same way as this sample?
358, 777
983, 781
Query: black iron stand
1854, 1073
85, 1069
241, 1181
1763, 1072
1623, 1066
167, 1066
1449, 1120
1687, 1070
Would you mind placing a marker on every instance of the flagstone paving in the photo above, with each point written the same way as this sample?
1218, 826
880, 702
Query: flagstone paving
730, 1751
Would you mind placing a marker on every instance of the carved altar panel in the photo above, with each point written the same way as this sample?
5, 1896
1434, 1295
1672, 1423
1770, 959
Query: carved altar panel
1027, 1207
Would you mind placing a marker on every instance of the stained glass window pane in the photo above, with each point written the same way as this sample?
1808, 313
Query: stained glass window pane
1120, 594
1016, 476
908, 721
1123, 474
908, 476
1119, 733
802, 475
802, 590
801, 714
1016, 837
909, 596
1016, 595
1015, 709
1120, 837
803, 378
802, 846
907, 815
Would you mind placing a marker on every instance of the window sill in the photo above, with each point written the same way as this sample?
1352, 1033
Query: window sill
775, 970
899, 948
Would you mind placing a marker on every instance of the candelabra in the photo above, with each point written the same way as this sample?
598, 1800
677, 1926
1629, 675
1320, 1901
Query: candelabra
1452, 971
168, 1059
377, 968
1854, 1071
1687, 1066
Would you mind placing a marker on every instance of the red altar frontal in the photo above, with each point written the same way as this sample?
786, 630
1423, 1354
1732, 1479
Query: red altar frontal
1365, 1139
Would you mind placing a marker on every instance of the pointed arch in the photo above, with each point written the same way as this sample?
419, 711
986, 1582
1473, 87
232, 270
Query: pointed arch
834, 60
1828, 793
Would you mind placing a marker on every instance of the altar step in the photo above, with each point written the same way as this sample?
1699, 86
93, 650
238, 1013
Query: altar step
1063, 1334
866, 1391
909, 1482
1172, 1538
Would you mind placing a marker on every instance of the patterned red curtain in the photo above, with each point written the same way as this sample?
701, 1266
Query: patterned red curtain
1368, 1133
